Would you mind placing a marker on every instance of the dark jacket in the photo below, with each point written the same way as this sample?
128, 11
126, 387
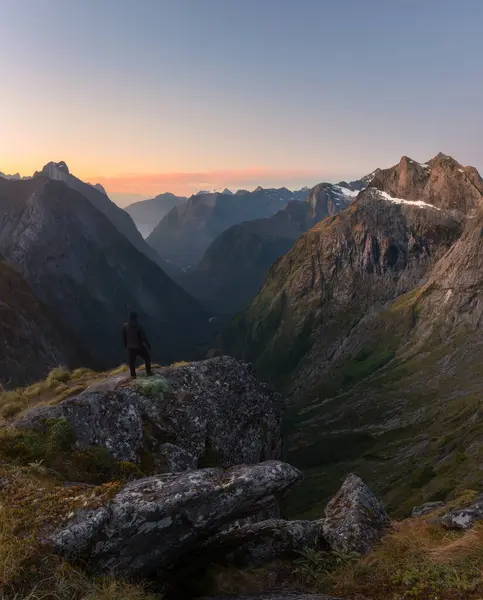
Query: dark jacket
134, 337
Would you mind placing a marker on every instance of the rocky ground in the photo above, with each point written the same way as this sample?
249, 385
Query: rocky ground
178, 481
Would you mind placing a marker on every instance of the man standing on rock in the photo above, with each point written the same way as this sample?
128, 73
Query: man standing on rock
137, 344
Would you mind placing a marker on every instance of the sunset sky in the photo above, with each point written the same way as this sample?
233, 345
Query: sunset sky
147, 96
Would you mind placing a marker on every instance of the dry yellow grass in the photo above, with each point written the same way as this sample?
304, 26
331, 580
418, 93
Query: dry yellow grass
29, 503
57, 386
418, 560
180, 363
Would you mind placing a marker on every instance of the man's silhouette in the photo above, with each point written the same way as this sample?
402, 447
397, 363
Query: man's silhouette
136, 343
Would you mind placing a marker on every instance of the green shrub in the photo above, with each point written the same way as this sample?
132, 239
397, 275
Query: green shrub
152, 386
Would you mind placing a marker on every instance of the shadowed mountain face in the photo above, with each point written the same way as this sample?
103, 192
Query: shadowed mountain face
32, 343
372, 324
89, 275
99, 199
146, 214
185, 233
234, 266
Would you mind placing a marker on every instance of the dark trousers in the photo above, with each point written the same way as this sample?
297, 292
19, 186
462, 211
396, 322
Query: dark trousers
144, 354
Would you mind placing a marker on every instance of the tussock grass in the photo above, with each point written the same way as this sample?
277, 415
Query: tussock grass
59, 384
418, 560
180, 363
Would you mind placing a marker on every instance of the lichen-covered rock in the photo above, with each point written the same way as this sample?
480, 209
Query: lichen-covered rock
151, 523
255, 543
219, 414
175, 458
355, 519
464, 518
426, 509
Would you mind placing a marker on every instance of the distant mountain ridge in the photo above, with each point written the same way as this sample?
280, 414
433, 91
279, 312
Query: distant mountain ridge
187, 230
146, 214
236, 262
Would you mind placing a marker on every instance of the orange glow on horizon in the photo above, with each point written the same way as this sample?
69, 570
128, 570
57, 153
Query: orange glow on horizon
186, 183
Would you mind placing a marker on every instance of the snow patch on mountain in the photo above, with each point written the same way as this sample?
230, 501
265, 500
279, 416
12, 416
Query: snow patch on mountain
346, 191
418, 203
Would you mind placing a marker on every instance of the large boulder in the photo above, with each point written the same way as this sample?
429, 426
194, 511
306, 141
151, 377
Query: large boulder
426, 509
151, 523
218, 414
464, 518
355, 519
255, 543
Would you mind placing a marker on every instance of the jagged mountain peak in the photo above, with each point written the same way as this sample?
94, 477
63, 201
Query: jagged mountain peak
99, 187
13, 177
441, 182
55, 166
442, 158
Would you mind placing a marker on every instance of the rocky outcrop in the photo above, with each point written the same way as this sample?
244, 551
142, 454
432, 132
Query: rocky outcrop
426, 509
219, 414
464, 518
31, 342
355, 520
92, 275
152, 522
256, 543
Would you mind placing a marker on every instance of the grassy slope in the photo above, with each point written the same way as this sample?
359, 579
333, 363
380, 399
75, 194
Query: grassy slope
417, 560
406, 418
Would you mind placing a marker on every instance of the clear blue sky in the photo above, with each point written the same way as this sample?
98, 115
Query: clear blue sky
175, 94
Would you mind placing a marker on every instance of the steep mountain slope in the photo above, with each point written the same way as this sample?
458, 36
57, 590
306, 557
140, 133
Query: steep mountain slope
99, 199
235, 264
89, 274
146, 214
31, 344
185, 233
372, 324
343, 267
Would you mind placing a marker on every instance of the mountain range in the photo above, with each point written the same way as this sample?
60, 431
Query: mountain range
146, 214
236, 262
371, 325
185, 233
368, 313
